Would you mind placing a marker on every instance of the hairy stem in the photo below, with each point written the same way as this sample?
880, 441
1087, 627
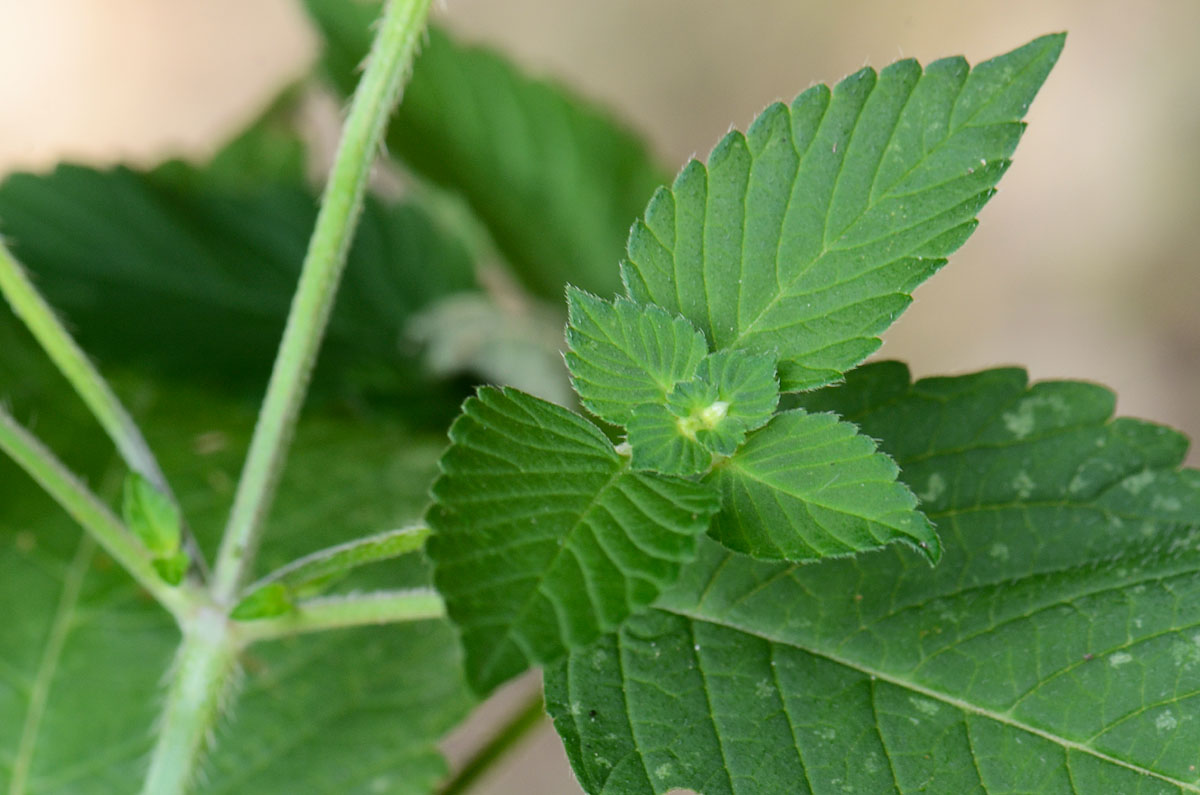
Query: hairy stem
200, 684
341, 612
342, 558
377, 93
509, 734
28, 304
88, 510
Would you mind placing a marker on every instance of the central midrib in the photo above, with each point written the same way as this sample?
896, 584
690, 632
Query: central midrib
945, 698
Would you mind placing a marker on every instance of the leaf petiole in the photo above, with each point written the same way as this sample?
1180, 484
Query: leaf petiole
342, 612
313, 572
88, 510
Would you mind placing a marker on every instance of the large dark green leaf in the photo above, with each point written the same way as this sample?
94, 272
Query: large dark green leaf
189, 274
1055, 649
556, 180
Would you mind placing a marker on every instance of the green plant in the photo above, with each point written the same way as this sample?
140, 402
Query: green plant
703, 560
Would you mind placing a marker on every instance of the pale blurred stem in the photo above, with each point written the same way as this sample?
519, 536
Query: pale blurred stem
88, 510
510, 733
201, 681
378, 91
207, 663
28, 304
342, 612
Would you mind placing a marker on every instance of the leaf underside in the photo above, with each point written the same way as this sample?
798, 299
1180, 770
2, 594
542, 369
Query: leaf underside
806, 235
544, 538
1055, 649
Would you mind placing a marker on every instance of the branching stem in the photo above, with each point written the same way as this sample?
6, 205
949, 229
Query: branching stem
88, 510
378, 91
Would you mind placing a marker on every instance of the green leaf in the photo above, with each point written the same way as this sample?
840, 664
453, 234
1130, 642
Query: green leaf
194, 277
172, 568
544, 538
556, 179
806, 236
731, 393
623, 355
83, 654
807, 487
151, 515
659, 444
1053, 650
272, 599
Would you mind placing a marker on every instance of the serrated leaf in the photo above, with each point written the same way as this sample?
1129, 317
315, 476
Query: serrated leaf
544, 538
623, 355
82, 660
555, 179
193, 277
806, 235
658, 443
733, 392
1053, 650
808, 486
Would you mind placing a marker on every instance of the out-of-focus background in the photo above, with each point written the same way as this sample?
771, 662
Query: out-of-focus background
1086, 264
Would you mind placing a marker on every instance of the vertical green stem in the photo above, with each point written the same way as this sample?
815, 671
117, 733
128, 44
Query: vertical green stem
200, 684
377, 93
46, 328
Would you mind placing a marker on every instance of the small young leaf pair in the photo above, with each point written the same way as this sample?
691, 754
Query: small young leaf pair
155, 520
641, 368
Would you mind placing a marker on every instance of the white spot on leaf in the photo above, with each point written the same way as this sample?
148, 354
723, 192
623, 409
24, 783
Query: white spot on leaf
934, 488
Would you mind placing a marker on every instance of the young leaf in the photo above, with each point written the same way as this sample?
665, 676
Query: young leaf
731, 393
807, 487
555, 179
1052, 650
151, 516
623, 355
544, 538
658, 443
805, 236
